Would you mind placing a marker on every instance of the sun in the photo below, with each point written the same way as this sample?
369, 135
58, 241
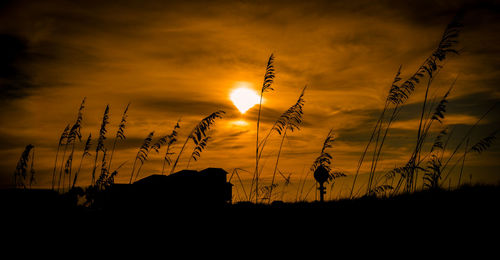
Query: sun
244, 98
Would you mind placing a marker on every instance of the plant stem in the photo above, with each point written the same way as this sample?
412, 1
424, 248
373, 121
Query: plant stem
138, 171
180, 152
133, 169
257, 152
55, 166
95, 167
276, 165
62, 166
375, 162
71, 165
78, 172
465, 137
164, 161
366, 148
112, 152
463, 162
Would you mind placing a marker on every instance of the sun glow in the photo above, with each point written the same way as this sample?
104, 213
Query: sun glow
240, 122
244, 98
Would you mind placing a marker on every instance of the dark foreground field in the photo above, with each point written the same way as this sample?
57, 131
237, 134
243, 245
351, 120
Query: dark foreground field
480, 201
468, 214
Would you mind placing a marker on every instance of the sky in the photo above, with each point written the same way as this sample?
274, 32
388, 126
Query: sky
180, 60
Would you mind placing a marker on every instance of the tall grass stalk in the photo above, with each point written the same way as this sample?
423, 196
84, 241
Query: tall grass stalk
235, 172
86, 150
67, 168
290, 120
120, 134
463, 162
32, 168
63, 137
464, 138
479, 147
433, 171
376, 128
423, 130
266, 86
100, 140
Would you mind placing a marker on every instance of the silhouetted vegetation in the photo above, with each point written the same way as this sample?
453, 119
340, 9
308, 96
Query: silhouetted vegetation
21, 172
199, 134
142, 155
266, 86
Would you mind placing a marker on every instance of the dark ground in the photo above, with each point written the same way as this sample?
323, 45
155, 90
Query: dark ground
446, 220
480, 202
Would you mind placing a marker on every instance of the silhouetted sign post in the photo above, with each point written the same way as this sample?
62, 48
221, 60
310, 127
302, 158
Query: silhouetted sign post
321, 175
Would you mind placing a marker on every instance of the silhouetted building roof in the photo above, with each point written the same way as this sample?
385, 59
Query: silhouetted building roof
184, 188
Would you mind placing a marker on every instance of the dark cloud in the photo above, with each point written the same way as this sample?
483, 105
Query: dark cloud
184, 106
15, 82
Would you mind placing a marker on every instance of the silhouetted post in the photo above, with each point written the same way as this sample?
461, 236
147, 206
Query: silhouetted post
322, 192
321, 175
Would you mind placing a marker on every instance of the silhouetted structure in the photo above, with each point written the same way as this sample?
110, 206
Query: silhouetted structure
321, 175
186, 188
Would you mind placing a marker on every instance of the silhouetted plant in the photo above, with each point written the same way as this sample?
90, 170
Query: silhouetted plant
100, 140
168, 140
235, 172
462, 141
286, 182
73, 134
111, 177
142, 155
103, 182
290, 120
67, 168
266, 86
433, 173
463, 162
104, 172
399, 94
86, 150
402, 172
199, 132
324, 159
63, 137
485, 143
266, 191
199, 147
384, 188
120, 134
437, 115
479, 147
21, 171
395, 97
438, 141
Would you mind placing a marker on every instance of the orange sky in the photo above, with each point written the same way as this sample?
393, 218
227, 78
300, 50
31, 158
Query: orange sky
181, 59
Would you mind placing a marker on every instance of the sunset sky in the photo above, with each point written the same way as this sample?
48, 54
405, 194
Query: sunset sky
181, 59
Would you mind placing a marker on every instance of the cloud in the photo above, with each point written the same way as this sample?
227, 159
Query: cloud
15, 82
450, 120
